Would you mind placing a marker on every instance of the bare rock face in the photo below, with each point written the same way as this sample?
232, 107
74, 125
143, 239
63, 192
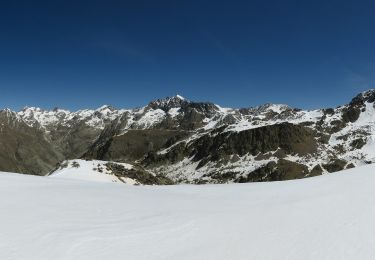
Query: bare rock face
133, 145
166, 104
291, 139
357, 105
276, 171
195, 142
138, 174
24, 149
335, 165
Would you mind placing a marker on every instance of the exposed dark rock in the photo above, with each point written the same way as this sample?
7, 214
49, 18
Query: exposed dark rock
323, 138
263, 156
137, 173
282, 170
293, 139
317, 170
351, 114
24, 149
29, 145
358, 143
353, 110
168, 103
175, 155
223, 177
349, 166
335, 165
337, 125
285, 138
134, 144
328, 111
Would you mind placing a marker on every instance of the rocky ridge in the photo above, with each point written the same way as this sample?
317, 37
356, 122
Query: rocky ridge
195, 142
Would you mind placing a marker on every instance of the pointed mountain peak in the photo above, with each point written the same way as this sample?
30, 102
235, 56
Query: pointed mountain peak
368, 92
180, 97
30, 108
168, 102
365, 96
105, 108
369, 95
277, 108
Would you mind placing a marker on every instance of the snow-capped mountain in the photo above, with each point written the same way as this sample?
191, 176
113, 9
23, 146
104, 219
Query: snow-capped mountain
195, 142
35, 116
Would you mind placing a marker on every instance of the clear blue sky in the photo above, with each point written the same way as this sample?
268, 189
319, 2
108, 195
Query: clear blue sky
77, 54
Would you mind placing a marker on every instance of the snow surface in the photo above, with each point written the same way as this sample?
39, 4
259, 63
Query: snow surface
93, 170
326, 217
174, 111
151, 117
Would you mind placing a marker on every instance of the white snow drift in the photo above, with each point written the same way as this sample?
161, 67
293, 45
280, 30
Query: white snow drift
326, 217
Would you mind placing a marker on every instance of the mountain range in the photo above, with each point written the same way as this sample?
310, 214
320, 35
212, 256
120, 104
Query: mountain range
175, 140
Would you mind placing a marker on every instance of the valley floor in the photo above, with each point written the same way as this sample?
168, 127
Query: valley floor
326, 217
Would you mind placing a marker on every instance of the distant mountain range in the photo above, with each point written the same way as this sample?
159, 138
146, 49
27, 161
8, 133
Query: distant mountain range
174, 140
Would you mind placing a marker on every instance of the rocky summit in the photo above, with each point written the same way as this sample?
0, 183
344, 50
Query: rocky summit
174, 140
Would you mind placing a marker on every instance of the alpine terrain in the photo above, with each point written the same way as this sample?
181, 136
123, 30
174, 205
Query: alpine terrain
174, 140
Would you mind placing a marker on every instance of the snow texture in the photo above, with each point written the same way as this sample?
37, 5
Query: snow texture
93, 170
326, 217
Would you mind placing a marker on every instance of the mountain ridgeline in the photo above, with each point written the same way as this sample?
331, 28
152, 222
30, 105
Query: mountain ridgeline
194, 142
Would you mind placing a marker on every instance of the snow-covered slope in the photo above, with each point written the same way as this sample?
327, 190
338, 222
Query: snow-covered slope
105, 171
326, 217
93, 170
46, 119
211, 115
197, 142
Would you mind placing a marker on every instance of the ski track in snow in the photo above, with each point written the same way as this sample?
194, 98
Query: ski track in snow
326, 217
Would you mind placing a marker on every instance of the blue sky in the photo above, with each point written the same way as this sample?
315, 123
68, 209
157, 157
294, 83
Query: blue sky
78, 54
